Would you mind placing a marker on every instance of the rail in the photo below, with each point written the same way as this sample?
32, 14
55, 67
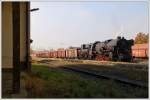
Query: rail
105, 76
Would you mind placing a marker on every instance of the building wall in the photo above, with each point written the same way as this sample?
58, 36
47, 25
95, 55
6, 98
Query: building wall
15, 42
7, 35
23, 31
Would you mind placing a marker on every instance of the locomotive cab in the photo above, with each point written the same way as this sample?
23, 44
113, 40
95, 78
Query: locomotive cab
84, 52
124, 49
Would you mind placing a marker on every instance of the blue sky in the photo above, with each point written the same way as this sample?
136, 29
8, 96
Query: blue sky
64, 24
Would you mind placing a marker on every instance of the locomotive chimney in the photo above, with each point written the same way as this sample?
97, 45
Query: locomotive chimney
119, 37
122, 37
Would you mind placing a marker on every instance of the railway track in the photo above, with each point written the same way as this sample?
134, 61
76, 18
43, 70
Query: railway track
106, 76
100, 75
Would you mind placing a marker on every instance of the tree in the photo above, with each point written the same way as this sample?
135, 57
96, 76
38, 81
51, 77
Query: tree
141, 38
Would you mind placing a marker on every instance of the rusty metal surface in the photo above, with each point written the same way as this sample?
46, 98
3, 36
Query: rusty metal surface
140, 46
140, 50
51, 54
61, 53
55, 54
43, 54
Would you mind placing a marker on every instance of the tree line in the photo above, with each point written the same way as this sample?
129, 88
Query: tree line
141, 38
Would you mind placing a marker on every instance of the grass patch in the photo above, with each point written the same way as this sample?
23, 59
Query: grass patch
122, 70
52, 83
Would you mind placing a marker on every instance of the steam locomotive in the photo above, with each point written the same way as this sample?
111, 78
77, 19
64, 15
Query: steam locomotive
118, 49
113, 49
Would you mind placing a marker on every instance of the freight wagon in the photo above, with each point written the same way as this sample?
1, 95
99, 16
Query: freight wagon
55, 54
43, 54
140, 51
61, 53
51, 54
71, 53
